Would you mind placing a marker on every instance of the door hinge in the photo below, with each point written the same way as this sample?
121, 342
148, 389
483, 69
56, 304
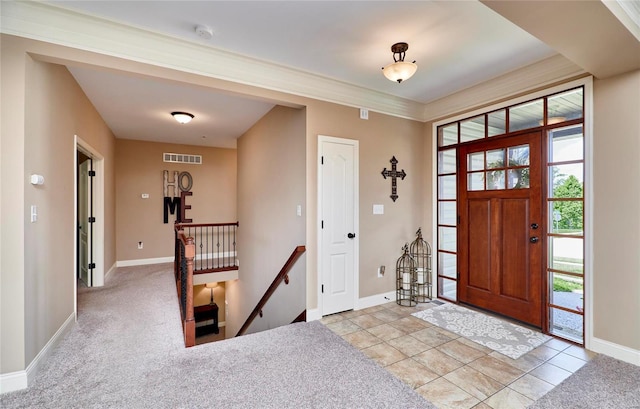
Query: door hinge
92, 219
322, 290
458, 219
322, 160
91, 266
322, 224
92, 173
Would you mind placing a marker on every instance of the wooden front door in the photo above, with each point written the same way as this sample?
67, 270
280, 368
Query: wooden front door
501, 227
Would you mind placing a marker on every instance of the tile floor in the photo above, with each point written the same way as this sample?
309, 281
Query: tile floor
451, 371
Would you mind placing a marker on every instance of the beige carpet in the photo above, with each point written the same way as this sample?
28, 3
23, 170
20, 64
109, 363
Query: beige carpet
603, 383
126, 351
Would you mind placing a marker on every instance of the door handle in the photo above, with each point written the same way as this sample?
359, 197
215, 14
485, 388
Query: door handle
351, 235
534, 226
534, 239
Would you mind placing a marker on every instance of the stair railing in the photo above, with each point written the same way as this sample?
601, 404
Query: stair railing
185, 253
283, 275
215, 245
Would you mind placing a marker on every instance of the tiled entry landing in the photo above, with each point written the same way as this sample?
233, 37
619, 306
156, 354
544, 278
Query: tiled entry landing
451, 371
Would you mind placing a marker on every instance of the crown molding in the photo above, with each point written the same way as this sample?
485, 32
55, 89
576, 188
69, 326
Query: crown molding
543, 73
61, 26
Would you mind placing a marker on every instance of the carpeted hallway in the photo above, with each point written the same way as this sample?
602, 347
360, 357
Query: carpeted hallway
126, 351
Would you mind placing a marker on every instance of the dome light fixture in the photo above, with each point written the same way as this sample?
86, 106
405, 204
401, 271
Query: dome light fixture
182, 117
399, 70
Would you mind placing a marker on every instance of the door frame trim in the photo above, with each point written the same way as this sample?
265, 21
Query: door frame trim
98, 241
587, 83
356, 218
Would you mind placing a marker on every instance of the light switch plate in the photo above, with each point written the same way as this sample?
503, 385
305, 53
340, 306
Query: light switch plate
378, 209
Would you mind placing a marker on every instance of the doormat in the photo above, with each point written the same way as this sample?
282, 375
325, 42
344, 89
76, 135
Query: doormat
502, 336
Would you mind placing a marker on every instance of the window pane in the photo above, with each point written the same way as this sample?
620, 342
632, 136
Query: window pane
525, 116
447, 264
475, 181
567, 217
447, 213
447, 288
475, 161
566, 144
565, 106
567, 291
566, 254
472, 129
447, 187
495, 159
447, 161
566, 324
519, 156
495, 180
518, 178
566, 181
448, 135
447, 238
496, 122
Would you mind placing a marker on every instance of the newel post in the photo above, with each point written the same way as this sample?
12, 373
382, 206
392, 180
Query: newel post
189, 321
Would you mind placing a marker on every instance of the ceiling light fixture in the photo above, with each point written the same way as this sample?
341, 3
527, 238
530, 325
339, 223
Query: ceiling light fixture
400, 70
182, 117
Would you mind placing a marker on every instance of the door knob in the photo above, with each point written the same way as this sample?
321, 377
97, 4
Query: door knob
534, 226
534, 239
351, 235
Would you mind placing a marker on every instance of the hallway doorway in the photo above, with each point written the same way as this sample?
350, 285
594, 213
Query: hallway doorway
89, 269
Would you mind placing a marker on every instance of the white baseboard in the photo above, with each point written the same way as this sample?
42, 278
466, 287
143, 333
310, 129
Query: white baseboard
613, 350
209, 322
111, 270
14, 381
144, 261
313, 315
159, 260
374, 300
361, 303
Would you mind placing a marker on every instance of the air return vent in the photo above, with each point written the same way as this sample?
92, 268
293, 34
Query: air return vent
182, 158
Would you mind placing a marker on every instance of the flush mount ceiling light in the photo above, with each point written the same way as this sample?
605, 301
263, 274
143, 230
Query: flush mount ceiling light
400, 70
182, 117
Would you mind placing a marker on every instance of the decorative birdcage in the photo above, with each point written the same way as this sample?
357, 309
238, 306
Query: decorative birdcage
420, 252
406, 279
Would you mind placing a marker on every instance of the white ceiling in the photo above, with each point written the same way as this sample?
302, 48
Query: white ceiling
456, 44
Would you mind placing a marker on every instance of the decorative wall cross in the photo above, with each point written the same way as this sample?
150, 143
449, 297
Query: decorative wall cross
393, 174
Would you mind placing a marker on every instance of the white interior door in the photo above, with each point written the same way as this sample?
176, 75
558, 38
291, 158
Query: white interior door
338, 224
84, 227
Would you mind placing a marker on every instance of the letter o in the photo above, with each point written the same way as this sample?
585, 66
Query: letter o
181, 179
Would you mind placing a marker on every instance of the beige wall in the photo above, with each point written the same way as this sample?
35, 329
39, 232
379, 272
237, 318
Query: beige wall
39, 276
12, 206
616, 210
381, 237
140, 169
271, 184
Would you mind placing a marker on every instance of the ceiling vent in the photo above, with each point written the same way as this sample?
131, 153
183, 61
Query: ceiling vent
182, 158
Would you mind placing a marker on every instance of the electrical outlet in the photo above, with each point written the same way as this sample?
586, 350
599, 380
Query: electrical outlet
380, 271
140, 245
